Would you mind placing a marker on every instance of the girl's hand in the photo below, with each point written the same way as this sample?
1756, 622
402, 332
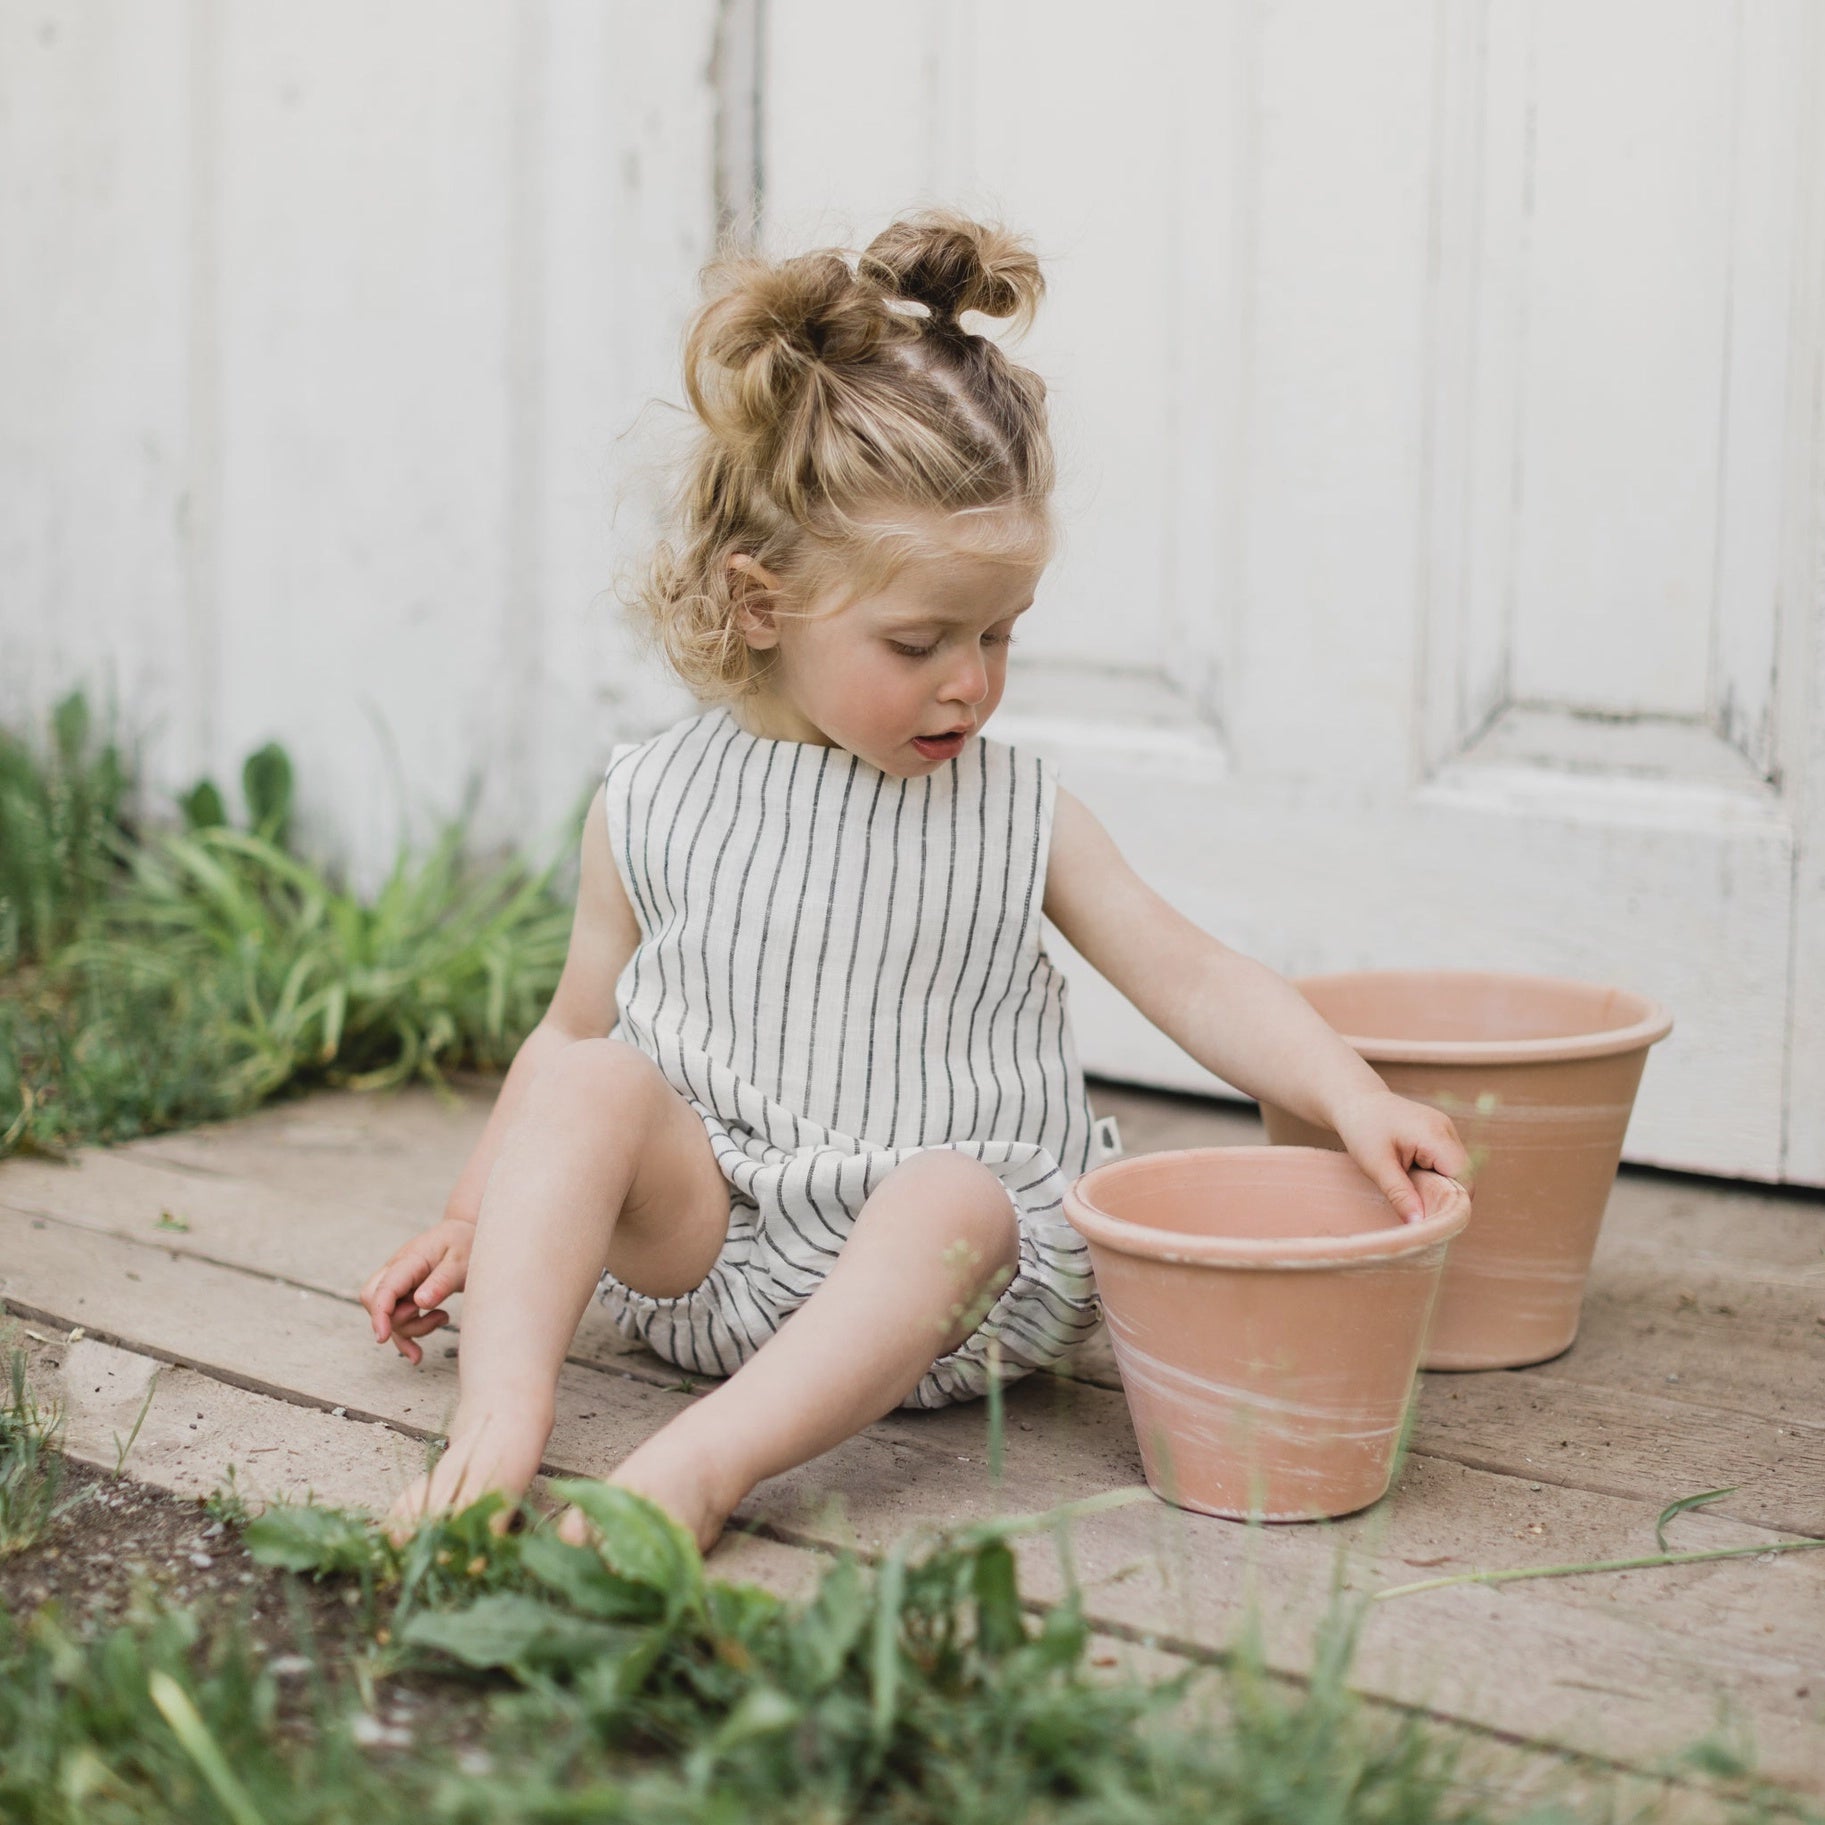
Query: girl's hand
403, 1298
1386, 1135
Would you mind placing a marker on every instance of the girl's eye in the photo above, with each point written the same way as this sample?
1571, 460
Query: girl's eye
919, 652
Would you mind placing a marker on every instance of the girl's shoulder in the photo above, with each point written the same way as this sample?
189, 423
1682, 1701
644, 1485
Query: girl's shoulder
623, 754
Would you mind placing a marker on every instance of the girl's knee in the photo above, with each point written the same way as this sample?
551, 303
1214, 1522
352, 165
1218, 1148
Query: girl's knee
601, 1072
964, 1201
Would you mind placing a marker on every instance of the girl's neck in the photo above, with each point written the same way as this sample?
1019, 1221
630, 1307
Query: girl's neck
770, 720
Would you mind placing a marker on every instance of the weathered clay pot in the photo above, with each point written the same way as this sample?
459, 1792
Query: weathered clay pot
1266, 1308
1539, 1074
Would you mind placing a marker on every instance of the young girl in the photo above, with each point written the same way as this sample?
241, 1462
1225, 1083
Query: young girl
805, 1103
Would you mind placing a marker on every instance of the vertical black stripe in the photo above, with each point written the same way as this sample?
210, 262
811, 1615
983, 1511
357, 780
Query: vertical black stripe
733, 928
783, 1013
860, 929
958, 986
1065, 1077
766, 923
911, 949
988, 969
677, 922
1029, 836
944, 938
706, 916
638, 828
827, 1104
665, 940
1020, 1055
882, 964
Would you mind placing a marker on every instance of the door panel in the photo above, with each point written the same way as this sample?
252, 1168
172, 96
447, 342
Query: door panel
1437, 389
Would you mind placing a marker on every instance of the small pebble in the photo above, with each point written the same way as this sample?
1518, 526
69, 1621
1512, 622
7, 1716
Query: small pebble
1672, 1378
371, 1733
340, 1412
475, 1761
289, 1666
1535, 1487
201, 1561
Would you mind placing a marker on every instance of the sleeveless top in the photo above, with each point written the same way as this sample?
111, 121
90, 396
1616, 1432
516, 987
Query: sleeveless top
838, 968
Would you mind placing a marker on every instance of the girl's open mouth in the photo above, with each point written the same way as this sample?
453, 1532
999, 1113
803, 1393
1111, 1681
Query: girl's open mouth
940, 747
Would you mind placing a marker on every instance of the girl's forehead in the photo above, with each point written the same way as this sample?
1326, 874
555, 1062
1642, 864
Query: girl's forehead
958, 586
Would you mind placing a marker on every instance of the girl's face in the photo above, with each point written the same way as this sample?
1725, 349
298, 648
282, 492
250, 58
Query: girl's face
889, 675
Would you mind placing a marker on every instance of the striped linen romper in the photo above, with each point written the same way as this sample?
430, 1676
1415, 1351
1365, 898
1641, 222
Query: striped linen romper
838, 969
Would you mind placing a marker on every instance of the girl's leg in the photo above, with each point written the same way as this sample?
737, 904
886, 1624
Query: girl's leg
930, 1248
606, 1167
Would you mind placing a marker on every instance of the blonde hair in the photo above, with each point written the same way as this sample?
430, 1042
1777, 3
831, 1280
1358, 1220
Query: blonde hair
841, 405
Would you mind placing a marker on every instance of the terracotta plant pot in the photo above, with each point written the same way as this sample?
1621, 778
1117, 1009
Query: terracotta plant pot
1539, 1074
1266, 1309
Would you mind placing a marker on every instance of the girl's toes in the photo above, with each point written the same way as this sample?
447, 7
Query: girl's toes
574, 1528
403, 1519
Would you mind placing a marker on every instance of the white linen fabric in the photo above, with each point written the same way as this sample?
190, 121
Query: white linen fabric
839, 969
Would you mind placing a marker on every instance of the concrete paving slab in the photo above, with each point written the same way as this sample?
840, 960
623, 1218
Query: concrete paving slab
288, 1212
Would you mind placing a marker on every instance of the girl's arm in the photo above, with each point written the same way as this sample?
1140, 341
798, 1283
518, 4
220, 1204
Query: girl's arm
1235, 1016
603, 935
403, 1297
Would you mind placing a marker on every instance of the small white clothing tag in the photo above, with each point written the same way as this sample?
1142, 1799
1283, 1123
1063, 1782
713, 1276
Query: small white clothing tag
1108, 1139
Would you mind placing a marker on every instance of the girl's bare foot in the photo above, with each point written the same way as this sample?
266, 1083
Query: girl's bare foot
681, 1481
500, 1449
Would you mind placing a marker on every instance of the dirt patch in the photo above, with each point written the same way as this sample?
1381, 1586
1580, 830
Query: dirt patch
113, 1538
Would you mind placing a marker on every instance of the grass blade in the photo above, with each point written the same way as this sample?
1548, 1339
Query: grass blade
1680, 1507
1646, 1563
193, 1734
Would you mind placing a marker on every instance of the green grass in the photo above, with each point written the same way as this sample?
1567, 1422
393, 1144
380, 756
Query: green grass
622, 1682
158, 977
30, 1469
61, 812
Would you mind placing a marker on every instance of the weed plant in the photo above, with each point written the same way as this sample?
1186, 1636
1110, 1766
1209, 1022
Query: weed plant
626, 1685
60, 815
31, 1470
618, 1682
160, 978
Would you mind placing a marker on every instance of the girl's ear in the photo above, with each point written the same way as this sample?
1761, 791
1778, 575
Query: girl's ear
753, 587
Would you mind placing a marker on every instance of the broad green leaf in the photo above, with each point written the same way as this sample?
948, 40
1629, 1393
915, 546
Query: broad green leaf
520, 1632
1000, 1626
832, 1625
302, 1537
641, 1541
202, 806
578, 1575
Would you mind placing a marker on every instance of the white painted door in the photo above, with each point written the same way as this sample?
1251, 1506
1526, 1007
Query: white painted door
1438, 384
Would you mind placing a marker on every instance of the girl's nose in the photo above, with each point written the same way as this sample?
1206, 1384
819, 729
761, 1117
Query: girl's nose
971, 684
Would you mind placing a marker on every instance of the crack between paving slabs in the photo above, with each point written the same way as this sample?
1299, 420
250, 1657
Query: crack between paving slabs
636, 1370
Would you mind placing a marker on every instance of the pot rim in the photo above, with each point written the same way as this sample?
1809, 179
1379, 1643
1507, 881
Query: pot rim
1651, 1024
1447, 1211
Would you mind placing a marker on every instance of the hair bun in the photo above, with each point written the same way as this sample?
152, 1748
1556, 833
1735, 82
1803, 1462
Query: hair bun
765, 327
951, 264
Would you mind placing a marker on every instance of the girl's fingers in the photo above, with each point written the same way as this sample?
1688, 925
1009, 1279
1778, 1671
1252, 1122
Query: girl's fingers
408, 1331
438, 1285
396, 1280
1397, 1188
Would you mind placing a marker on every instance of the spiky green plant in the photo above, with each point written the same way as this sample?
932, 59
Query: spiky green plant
31, 1471
214, 967
61, 811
